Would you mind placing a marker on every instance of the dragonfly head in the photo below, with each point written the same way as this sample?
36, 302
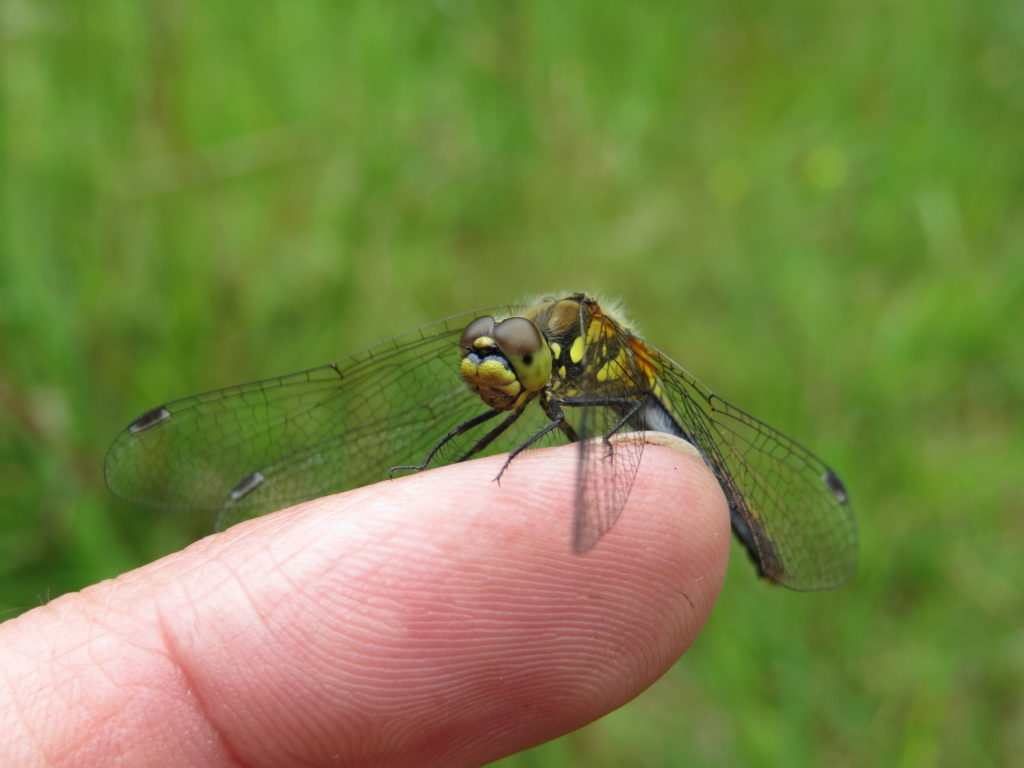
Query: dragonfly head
504, 362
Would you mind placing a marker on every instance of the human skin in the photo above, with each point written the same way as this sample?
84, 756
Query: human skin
437, 619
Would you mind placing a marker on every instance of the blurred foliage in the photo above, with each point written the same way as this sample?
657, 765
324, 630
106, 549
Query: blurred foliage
817, 208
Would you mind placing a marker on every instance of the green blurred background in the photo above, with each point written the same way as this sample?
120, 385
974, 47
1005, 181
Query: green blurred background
818, 208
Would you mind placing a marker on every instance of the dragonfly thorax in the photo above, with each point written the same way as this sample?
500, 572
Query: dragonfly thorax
504, 362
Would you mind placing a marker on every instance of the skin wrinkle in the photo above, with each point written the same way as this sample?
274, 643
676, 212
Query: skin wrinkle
157, 678
125, 684
223, 622
271, 628
188, 690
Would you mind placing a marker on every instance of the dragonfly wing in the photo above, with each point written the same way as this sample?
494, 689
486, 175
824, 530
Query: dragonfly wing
796, 507
606, 469
261, 445
355, 454
789, 508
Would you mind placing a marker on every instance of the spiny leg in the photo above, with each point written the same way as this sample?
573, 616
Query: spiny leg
631, 405
554, 412
463, 427
489, 438
557, 422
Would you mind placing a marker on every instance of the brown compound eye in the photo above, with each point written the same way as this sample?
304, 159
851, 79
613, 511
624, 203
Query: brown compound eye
518, 336
527, 351
482, 326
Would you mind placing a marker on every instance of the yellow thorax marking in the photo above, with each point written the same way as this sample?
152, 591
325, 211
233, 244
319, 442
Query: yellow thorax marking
599, 328
576, 350
616, 368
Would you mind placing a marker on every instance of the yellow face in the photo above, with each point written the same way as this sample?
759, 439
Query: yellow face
505, 362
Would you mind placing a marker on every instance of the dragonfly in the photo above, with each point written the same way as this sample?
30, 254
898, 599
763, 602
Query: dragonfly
562, 369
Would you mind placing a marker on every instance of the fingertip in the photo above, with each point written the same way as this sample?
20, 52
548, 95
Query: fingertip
466, 595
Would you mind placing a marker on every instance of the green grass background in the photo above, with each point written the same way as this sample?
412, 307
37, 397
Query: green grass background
818, 208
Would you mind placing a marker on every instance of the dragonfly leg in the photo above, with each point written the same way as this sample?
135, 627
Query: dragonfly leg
554, 412
557, 422
463, 427
628, 406
489, 438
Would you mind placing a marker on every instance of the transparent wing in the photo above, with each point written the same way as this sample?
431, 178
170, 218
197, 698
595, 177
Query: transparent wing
607, 466
249, 449
789, 508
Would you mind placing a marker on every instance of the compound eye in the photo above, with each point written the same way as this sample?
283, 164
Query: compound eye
526, 349
517, 337
479, 328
